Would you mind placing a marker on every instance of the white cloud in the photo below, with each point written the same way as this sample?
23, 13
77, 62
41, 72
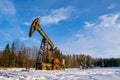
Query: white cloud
8, 12
112, 6
100, 40
57, 15
34, 40
12, 31
26, 23
109, 20
7, 8
28, 39
24, 38
88, 24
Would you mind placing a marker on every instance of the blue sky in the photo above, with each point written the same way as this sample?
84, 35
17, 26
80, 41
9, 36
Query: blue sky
74, 26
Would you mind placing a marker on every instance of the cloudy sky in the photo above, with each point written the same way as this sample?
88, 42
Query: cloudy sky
74, 26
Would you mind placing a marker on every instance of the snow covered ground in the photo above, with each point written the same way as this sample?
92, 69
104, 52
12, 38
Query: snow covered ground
68, 74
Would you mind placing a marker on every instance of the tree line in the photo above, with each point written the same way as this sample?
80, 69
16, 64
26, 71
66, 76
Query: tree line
18, 55
104, 62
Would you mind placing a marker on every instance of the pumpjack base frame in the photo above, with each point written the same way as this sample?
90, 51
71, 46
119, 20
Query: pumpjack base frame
38, 66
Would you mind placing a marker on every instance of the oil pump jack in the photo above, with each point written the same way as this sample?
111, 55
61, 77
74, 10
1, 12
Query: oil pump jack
45, 59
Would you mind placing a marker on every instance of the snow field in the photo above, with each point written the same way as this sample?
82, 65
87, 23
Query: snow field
68, 74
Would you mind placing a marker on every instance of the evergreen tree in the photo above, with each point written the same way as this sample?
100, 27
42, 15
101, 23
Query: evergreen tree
5, 58
12, 55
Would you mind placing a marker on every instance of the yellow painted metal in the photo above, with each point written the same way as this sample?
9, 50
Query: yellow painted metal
46, 66
36, 26
43, 67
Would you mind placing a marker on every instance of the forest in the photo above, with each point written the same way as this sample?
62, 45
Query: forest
18, 55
